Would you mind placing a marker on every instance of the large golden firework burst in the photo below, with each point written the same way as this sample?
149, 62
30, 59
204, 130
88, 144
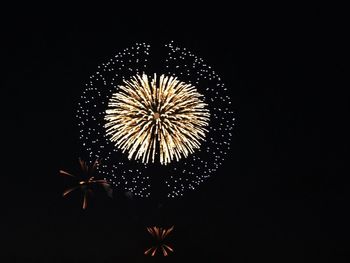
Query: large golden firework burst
162, 115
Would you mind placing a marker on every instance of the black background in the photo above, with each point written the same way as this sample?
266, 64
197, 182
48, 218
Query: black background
282, 195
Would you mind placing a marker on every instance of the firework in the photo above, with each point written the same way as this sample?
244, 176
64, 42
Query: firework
123, 84
162, 113
159, 234
87, 181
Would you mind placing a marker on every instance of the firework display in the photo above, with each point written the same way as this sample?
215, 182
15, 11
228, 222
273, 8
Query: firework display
87, 181
134, 118
159, 234
163, 111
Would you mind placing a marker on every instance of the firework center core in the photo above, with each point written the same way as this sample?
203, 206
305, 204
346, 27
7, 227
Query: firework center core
156, 115
156, 118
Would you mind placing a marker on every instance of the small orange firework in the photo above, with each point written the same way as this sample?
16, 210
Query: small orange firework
88, 181
159, 235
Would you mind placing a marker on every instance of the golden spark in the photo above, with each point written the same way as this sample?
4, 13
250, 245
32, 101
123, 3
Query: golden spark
155, 116
87, 183
159, 234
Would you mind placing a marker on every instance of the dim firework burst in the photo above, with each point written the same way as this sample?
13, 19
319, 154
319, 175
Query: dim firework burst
191, 158
159, 234
160, 116
86, 181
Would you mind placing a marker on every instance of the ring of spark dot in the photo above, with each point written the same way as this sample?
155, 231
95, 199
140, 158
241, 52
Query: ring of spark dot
159, 118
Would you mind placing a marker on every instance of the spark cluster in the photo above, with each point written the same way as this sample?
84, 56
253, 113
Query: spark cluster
161, 116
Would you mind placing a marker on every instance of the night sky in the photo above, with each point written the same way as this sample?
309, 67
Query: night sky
282, 194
